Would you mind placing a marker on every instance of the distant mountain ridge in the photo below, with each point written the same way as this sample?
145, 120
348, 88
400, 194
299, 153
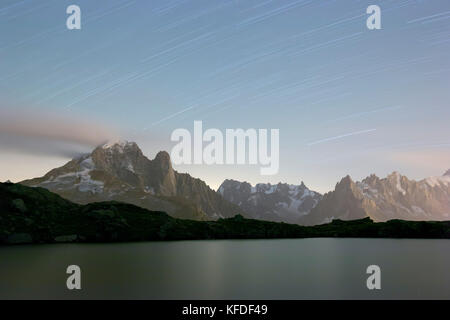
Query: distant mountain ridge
393, 197
120, 171
272, 202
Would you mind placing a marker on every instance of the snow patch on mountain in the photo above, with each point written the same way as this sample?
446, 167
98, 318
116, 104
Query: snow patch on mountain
80, 179
399, 184
119, 144
438, 181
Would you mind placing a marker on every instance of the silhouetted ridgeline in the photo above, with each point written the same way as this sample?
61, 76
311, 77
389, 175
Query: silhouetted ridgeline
36, 215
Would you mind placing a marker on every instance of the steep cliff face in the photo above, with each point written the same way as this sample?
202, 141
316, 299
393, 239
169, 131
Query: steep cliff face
121, 172
346, 202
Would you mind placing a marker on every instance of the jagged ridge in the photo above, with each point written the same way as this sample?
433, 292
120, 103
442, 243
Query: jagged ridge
394, 197
280, 202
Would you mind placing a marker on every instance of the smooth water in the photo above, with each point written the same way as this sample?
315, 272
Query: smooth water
230, 269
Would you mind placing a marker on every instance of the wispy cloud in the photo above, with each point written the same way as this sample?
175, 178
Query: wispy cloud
33, 132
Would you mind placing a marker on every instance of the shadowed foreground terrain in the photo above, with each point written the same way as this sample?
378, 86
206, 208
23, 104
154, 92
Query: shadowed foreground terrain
36, 215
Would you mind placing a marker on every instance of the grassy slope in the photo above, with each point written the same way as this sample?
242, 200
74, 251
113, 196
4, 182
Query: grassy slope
43, 216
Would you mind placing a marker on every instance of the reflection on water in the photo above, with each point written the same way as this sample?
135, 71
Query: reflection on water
230, 269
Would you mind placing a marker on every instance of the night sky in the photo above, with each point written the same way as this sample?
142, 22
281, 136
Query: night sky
346, 99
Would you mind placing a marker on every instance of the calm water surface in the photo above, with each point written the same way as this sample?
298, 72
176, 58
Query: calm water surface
230, 269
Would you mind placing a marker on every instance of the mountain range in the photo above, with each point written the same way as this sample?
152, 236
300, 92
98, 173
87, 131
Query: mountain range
393, 197
36, 215
281, 202
121, 172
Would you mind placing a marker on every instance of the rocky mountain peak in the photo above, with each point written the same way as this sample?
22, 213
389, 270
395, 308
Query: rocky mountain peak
118, 157
447, 173
371, 180
345, 182
119, 171
117, 149
347, 189
110, 144
162, 161
394, 175
120, 144
345, 203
